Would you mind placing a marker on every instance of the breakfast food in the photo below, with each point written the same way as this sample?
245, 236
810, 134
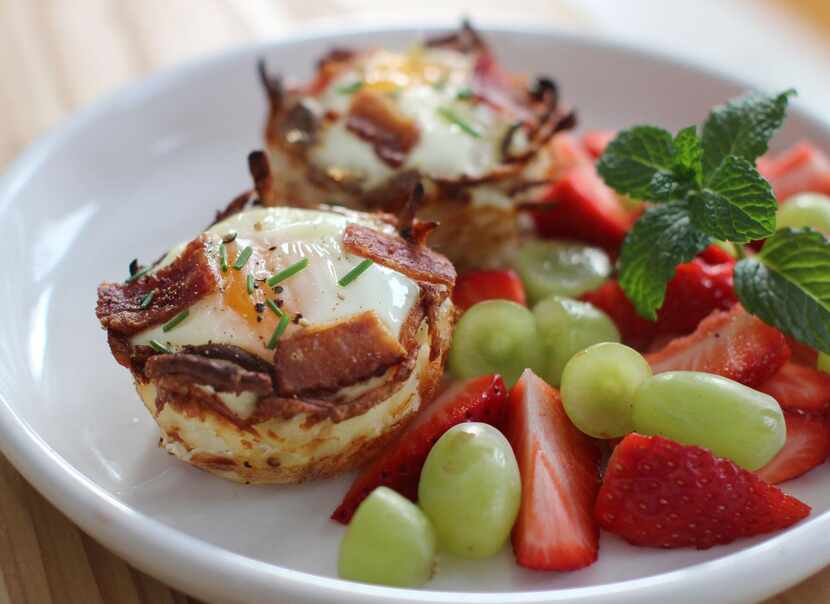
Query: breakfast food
284, 344
444, 113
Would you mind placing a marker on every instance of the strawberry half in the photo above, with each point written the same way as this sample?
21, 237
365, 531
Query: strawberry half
477, 286
482, 399
555, 529
596, 141
610, 298
799, 388
799, 169
801, 353
733, 344
659, 493
580, 206
807, 446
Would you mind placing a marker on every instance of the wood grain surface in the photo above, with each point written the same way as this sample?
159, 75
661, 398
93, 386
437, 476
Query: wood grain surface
59, 55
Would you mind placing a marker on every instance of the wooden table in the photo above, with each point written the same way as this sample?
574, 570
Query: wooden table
57, 56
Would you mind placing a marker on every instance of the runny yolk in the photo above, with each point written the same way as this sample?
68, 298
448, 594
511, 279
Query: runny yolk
236, 297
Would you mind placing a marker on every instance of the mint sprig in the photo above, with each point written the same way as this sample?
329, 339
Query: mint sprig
788, 285
709, 178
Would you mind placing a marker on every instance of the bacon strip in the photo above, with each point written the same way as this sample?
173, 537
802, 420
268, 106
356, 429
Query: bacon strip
177, 286
375, 120
331, 357
223, 376
415, 261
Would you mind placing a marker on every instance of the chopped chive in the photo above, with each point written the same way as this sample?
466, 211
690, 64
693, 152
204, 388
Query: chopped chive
242, 259
147, 299
449, 115
159, 347
273, 306
175, 321
139, 274
249, 284
349, 88
272, 343
287, 272
355, 273
464, 94
133, 266
223, 257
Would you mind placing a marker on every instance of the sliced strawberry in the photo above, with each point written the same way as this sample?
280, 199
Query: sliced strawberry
596, 141
799, 169
482, 399
697, 289
734, 344
555, 529
580, 206
799, 388
801, 353
634, 329
807, 445
477, 286
715, 254
659, 493
565, 153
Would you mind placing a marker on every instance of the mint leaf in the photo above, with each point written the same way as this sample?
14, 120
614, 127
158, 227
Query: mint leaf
633, 159
737, 203
661, 239
688, 153
742, 127
788, 285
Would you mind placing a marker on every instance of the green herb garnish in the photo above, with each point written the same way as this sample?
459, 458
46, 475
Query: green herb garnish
243, 257
272, 343
175, 321
705, 187
465, 94
159, 347
223, 258
147, 299
349, 88
249, 284
355, 273
287, 272
138, 274
273, 306
450, 116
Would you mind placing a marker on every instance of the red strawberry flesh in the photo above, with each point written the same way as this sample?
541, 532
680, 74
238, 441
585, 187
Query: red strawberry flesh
659, 493
799, 388
478, 286
807, 446
482, 399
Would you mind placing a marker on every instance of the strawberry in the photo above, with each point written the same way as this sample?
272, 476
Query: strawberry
659, 493
477, 286
398, 467
734, 344
566, 152
799, 388
555, 529
580, 206
801, 353
595, 141
807, 445
634, 329
715, 254
799, 169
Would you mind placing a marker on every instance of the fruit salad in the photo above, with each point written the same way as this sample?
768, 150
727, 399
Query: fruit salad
651, 361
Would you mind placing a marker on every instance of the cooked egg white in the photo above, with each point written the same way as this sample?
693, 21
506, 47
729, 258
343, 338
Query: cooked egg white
279, 237
424, 85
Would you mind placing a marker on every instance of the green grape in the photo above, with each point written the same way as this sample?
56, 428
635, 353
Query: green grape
805, 210
389, 541
567, 326
598, 387
563, 268
470, 489
495, 336
824, 362
710, 411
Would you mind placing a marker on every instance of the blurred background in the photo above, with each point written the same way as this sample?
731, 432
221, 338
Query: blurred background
59, 55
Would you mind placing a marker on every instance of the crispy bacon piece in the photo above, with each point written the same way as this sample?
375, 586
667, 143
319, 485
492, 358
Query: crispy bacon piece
416, 261
223, 376
260, 169
229, 352
375, 120
177, 286
326, 358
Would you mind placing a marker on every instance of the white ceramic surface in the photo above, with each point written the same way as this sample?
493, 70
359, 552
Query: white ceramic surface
146, 168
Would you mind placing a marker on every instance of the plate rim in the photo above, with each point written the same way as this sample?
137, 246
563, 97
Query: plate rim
152, 545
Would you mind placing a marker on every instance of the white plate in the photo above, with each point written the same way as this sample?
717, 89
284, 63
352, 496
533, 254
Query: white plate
148, 167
